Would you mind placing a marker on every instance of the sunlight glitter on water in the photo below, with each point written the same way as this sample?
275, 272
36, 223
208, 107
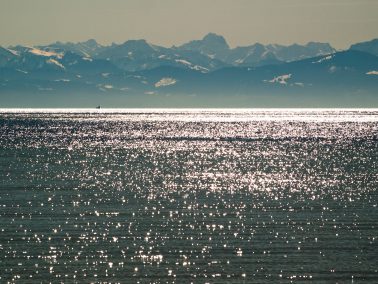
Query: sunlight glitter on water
216, 115
189, 195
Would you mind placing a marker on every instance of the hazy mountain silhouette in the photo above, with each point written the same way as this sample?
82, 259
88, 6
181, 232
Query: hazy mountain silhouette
215, 46
368, 46
200, 68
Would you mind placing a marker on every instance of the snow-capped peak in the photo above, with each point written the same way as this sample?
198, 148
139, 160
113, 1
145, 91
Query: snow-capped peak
165, 82
41, 52
281, 79
55, 62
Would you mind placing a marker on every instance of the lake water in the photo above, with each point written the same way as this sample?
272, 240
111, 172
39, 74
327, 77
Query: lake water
180, 196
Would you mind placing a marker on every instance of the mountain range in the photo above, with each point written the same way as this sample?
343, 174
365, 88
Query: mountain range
204, 72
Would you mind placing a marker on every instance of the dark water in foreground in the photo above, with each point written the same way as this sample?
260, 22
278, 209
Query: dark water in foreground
189, 196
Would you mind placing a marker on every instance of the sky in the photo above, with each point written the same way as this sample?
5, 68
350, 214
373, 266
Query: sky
174, 22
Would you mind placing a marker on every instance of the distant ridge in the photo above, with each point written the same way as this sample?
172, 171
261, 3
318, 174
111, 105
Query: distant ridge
367, 46
206, 68
210, 53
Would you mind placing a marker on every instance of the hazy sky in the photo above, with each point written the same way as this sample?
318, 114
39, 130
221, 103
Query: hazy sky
168, 22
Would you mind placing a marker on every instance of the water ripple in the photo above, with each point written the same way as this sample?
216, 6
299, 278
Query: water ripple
157, 196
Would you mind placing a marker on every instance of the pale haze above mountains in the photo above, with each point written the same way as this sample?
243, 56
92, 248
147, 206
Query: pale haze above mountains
205, 72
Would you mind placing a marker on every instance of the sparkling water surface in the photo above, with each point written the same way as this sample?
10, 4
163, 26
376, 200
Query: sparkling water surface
180, 196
